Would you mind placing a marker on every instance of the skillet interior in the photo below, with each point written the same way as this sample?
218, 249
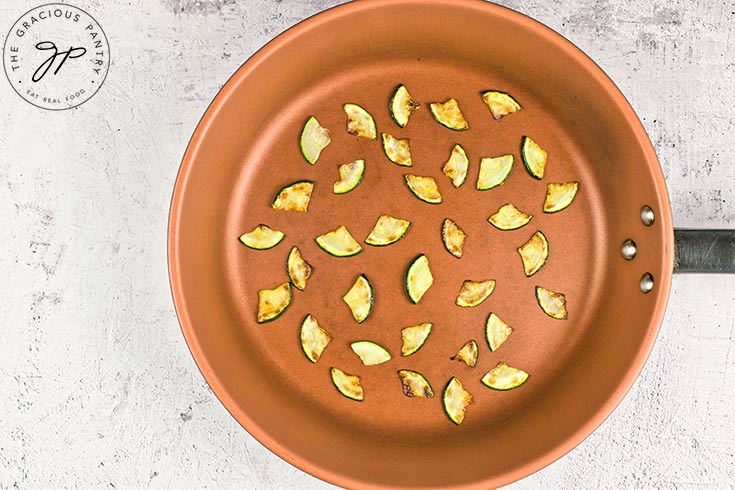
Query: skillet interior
246, 148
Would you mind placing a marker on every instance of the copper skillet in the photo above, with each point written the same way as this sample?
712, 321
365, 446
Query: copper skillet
245, 148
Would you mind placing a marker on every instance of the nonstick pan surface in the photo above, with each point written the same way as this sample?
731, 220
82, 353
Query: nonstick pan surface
246, 148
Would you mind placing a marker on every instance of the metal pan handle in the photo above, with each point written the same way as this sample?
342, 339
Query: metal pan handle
708, 251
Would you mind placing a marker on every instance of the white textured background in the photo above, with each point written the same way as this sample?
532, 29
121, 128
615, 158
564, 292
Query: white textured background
97, 387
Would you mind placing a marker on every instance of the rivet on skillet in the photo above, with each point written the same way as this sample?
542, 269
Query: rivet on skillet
646, 282
628, 250
647, 216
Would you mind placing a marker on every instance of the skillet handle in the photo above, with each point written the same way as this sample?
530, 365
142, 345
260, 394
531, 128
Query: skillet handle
708, 251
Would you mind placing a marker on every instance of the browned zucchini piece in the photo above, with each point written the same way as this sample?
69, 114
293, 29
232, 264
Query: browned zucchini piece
453, 237
347, 384
456, 399
503, 377
534, 253
456, 167
509, 217
496, 331
500, 103
449, 115
314, 339
534, 157
350, 176
467, 354
474, 292
414, 384
424, 188
402, 105
262, 237
387, 230
370, 353
554, 304
397, 150
273, 302
360, 299
418, 278
339, 243
560, 196
298, 269
360, 122
414, 337
294, 197
314, 139
494, 171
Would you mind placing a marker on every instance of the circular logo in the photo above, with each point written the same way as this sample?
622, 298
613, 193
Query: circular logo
56, 56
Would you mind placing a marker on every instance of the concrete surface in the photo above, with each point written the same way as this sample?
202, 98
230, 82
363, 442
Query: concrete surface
98, 389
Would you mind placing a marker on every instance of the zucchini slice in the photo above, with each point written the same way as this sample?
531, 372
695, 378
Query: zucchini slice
449, 115
560, 196
494, 171
360, 299
554, 304
314, 339
294, 197
314, 139
509, 217
424, 188
299, 270
456, 400
418, 278
503, 377
534, 157
474, 292
414, 384
360, 122
496, 331
414, 337
456, 167
339, 243
397, 150
370, 353
387, 230
347, 384
500, 103
467, 354
402, 105
350, 176
273, 302
534, 253
453, 237
262, 237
